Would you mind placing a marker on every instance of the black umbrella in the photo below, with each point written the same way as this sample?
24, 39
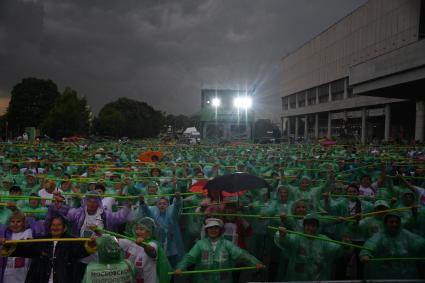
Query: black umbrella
236, 182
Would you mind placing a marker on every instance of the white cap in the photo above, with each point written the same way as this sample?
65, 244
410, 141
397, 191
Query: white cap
211, 222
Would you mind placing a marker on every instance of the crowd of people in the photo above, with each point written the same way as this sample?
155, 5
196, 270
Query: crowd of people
102, 212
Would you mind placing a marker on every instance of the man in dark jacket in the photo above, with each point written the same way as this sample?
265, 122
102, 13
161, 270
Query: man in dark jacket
54, 261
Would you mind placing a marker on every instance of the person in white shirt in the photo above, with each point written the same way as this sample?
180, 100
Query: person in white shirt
52, 261
143, 253
366, 188
107, 202
48, 191
14, 269
420, 192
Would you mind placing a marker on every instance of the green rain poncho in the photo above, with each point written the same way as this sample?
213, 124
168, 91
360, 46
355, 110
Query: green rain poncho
309, 259
112, 267
385, 245
371, 225
18, 179
225, 254
259, 243
313, 194
193, 222
39, 213
294, 220
4, 191
27, 188
416, 223
276, 205
4, 215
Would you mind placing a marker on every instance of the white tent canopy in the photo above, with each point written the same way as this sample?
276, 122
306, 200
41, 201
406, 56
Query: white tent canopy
191, 131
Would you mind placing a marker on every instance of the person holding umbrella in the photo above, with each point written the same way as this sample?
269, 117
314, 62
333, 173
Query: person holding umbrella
213, 203
235, 185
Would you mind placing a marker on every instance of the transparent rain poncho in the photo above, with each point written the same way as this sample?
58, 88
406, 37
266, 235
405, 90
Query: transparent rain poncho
402, 244
111, 267
309, 259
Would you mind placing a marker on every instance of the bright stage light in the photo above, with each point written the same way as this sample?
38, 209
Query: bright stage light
242, 102
216, 102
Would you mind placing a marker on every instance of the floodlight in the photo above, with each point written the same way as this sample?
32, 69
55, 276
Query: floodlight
216, 102
242, 102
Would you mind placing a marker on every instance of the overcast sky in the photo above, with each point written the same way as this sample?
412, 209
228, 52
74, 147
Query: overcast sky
157, 51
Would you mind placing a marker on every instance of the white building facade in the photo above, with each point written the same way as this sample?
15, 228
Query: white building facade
363, 77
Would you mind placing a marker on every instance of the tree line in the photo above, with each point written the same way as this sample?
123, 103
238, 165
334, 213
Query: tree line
38, 103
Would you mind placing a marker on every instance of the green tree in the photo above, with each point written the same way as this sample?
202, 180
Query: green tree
69, 116
30, 103
128, 117
3, 127
110, 122
181, 122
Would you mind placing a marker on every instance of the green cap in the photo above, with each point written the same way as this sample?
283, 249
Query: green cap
381, 203
392, 213
7, 179
312, 216
58, 167
147, 223
153, 184
305, 177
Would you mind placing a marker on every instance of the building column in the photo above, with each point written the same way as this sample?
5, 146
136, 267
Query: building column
296, 101
329, 126
387, 111
282, 125
317, 95
419, 121
288, 131
363, 134
345, 88
316, 125
306, 128
330, 92
296, 126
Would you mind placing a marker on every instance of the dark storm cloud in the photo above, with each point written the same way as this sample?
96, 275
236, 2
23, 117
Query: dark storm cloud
161, 52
